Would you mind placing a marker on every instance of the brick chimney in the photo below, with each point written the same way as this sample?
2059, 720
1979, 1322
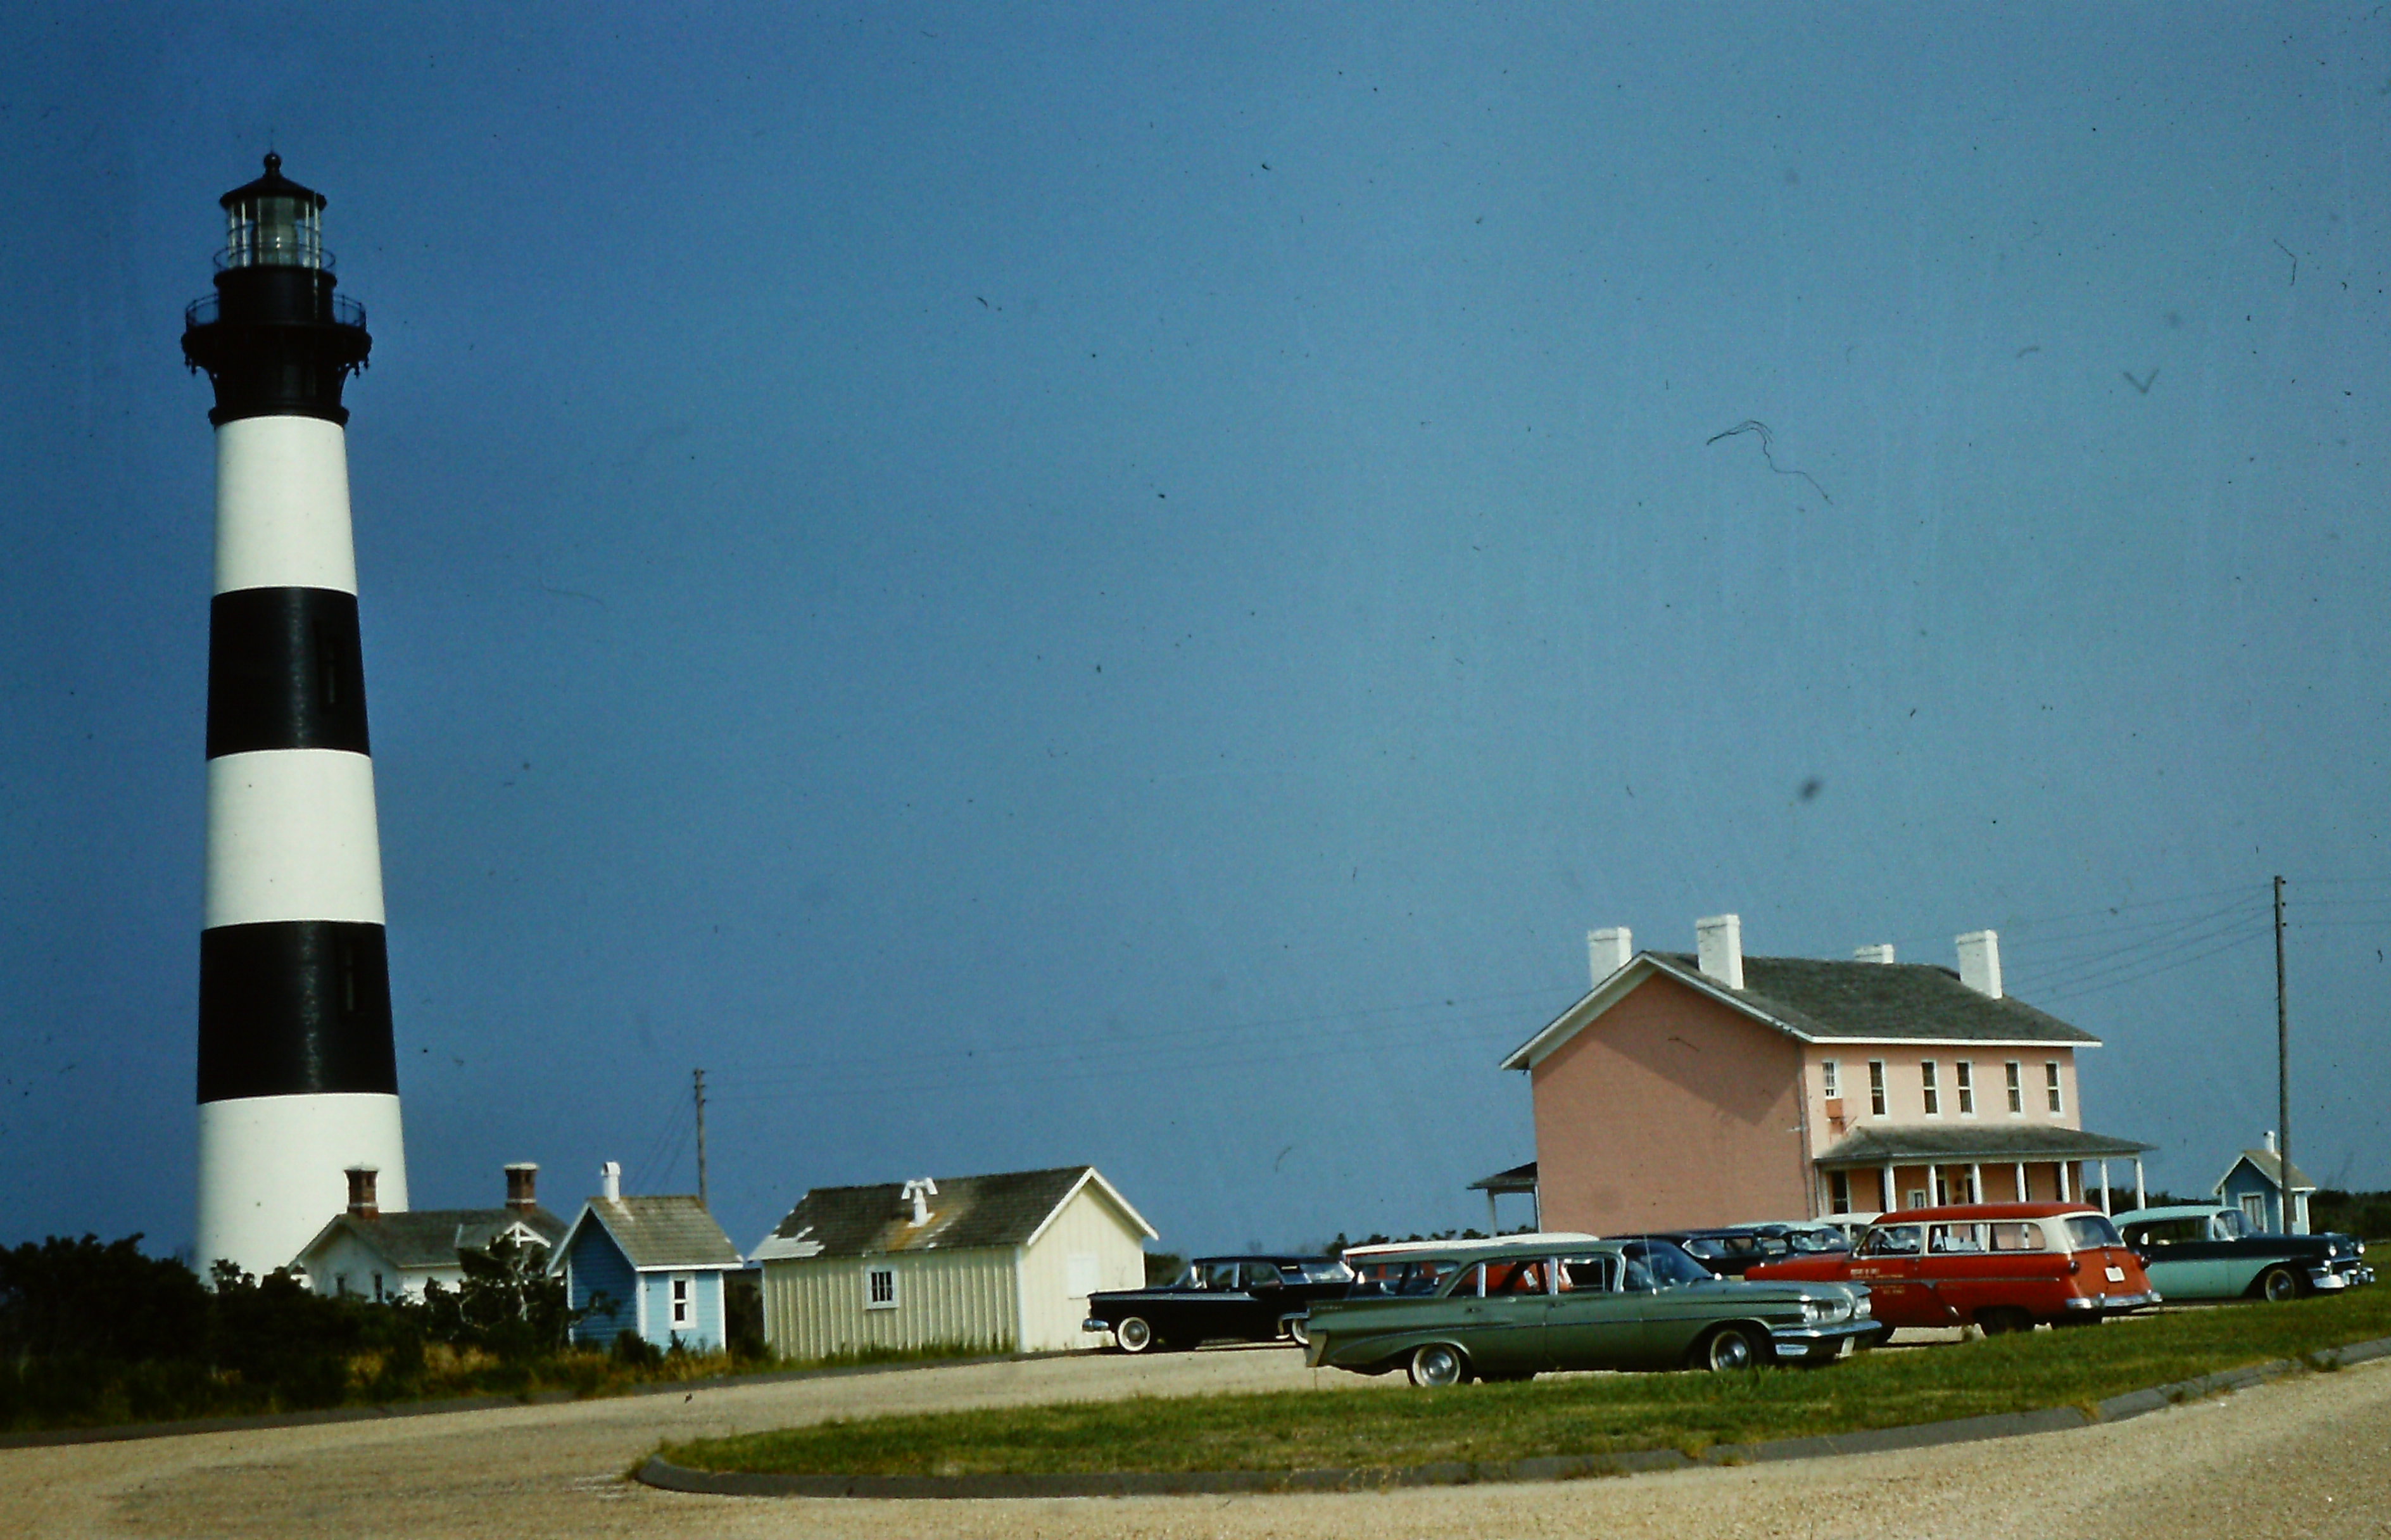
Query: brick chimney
362, 1202
1718, 947
1607, 952
522, 1178
1980, 962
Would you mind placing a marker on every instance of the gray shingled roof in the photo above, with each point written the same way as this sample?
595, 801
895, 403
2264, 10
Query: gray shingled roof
2270, 1166
1994, 1142
664, 1230
1002, 1210
1875, 1001
431, 1237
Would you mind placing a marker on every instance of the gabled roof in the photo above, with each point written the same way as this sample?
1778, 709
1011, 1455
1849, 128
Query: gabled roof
1007, 1208
655, 1232
1817, 1001
1518, 1179
431, 1237
1876, 1144
2268, 1165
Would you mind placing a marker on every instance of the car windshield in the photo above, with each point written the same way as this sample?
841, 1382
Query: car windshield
1326, 1272
1658, 1265
2085, 1231
1818, 1240
2227, 1222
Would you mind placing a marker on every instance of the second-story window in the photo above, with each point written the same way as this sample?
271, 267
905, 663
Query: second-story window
2017, 1087
2050, 1082
1929, 1088
1876, 1088
1963, 1075
1830, 1076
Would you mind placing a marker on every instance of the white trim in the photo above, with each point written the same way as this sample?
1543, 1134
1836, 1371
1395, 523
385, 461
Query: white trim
886, 1268
1596, 1001
1091, 1174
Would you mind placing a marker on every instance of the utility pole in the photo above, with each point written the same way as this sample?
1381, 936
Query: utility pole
699, 1076
2282, 1071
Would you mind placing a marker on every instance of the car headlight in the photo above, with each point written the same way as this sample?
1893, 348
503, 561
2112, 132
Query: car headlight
1816, 1312
2333, 1249
1863, 1306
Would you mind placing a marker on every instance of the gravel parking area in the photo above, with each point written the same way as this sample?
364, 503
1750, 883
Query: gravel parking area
2309, 1456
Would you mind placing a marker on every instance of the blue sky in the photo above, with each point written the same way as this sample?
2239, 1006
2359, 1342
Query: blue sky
1038, 585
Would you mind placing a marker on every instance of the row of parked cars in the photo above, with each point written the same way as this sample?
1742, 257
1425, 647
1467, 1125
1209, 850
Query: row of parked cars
1513, 1307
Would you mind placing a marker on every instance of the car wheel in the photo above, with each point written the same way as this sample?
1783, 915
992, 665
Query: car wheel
1135, 1334
1298, 1331
1730, 1349
2279, 1283
2004, 1318
1436, 1365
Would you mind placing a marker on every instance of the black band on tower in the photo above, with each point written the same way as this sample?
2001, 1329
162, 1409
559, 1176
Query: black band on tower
284, 671
292, 1007
276, 342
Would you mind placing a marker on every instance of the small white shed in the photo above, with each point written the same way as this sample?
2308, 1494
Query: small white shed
999, 1264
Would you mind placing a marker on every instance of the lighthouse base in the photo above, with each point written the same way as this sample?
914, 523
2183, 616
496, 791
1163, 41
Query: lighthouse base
271, 1172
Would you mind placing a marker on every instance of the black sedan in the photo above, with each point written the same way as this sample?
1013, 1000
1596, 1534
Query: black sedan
1260, 1298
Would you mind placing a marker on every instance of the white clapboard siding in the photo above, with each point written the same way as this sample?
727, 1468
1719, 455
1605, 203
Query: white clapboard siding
1089, 1226
815, 1307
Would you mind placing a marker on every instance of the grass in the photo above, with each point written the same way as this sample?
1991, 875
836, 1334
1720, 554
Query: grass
1315, 1430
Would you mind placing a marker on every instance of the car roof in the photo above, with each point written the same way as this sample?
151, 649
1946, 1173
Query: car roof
1274, 1257
1962, 1212
1383, 1250
2175, 1210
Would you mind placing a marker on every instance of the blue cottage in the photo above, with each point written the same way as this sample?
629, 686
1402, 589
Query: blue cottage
649, 1266
2253, 1183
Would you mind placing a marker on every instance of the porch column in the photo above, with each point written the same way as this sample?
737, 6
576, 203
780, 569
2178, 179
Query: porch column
2062, 1184
1975, 1181
1933, 1181
1891, 1199
2141, 1197
1492, 1228
2022, 1190
2106, 1207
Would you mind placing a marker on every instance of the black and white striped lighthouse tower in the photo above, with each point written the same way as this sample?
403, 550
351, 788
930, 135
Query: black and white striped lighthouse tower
298, 1078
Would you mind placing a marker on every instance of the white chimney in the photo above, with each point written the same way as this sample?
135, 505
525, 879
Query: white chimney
1980, 962
1880, 952
609, 1180
1607, 952
1718, 945
919, 1192
2270, 1141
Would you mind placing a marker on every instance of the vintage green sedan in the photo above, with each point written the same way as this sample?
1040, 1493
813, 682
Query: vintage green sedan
1516, 1311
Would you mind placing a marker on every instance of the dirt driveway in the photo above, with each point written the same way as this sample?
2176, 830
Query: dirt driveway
2307, 1456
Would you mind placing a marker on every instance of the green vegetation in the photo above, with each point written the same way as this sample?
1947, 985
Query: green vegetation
1315, 1430
2365, 1215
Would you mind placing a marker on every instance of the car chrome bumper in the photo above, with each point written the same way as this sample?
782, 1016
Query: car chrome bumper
1091, 1323
2112, 1304
1827, 1337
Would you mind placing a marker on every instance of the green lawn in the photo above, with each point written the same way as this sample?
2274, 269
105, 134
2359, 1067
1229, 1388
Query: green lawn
1313, 1429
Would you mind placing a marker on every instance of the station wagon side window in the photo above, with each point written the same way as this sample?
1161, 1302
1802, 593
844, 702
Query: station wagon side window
1955, 1237
1261, 1275
1893, 1241
1425, 1277
2226, 1225
1598, 1272
2017, 1237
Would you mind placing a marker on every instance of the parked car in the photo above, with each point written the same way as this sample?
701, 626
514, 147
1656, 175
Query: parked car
1246, 1299
1809, 1237
1515, 1311
1728, 1252
2003, 1266
2207, 1252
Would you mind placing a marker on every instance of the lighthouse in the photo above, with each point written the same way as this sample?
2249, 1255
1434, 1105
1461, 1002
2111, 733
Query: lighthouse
298, 1078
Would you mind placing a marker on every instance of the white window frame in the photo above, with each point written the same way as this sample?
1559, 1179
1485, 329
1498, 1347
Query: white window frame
2017, 1089
1963, 1076
1830, 1079
2050, 1084
873, 1273
1879, 1104
1930, 1090
684, 1300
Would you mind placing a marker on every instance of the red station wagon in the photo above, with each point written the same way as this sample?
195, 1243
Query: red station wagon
2003, 1266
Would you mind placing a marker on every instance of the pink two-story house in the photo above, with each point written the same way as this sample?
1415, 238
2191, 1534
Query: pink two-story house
1683, 1090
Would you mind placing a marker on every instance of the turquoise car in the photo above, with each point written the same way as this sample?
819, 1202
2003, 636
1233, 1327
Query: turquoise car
2207, 1252
1515, 1311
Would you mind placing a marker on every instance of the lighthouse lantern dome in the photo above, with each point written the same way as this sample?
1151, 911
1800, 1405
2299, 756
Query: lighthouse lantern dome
274, 222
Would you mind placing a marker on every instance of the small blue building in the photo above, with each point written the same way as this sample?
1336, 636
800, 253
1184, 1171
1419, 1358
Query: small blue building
651, 1266
2253, 1183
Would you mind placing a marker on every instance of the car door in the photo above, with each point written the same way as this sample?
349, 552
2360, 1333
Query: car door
1592, 1324
1502, 1308
1265, 1290
1888, 1262
1675, 1299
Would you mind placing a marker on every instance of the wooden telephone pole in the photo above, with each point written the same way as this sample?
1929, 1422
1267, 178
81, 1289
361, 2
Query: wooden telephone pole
2282, 1072
699, 1077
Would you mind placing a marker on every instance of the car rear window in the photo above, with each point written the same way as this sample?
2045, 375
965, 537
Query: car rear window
2085, 1231
1402, 1277
1598, 1272
2016, 1238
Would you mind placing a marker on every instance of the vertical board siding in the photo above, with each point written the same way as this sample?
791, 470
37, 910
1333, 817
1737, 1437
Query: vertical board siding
814, 1308
598, 1266
1089, 1223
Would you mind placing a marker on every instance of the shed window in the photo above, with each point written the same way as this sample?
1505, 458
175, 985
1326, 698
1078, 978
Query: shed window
680, 1302
879, 1288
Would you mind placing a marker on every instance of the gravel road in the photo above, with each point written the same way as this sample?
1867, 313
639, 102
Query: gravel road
2309, 1456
